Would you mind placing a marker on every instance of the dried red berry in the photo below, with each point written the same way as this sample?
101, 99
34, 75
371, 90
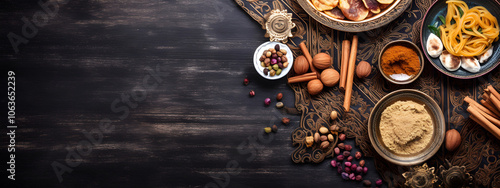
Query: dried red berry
246, 81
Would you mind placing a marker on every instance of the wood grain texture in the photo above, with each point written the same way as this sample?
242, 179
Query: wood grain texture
185, 131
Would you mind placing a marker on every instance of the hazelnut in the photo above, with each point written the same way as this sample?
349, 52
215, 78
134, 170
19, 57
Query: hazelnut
363, 69
314, 87
453, 139
322, 61
330, 77
301, 65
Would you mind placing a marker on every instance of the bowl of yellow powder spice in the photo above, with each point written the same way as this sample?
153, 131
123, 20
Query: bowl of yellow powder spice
406, 127
401, 62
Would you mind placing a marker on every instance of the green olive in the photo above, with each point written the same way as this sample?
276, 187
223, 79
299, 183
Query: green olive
276, 67
278, 72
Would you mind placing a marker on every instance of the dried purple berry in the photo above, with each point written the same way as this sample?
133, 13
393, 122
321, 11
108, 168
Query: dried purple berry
266, 71
365, 170
333, 163
267, 101
336, 150
252, 93
348, 147
353, 167
359, 169
274, 61
277, 47
378, 182
347, 153
339, 169
350, 158
339, 164
358, 155
345, 176
340, 157
359, 178
347, 169
347, 164
352, 176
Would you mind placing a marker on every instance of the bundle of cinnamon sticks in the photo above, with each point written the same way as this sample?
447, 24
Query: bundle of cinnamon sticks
347, 66
486, 114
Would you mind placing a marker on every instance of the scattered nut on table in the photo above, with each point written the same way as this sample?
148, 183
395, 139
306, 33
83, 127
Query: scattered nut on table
323, 130
334, 115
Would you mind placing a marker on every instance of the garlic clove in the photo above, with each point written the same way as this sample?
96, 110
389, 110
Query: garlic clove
470, 64
434, 46
485, 56
449, 61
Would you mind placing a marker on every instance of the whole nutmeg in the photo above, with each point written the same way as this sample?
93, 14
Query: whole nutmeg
322, 61
324, 145
300, 65
363, 69
314, 87
453, 139
330, 77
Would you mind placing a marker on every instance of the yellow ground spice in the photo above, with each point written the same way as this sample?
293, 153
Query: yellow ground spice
400, 60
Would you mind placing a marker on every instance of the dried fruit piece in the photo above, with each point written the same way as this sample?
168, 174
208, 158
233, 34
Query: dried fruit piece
246, 81
252, 93
279, 96
335, 13
385, 1
285, 120
267, 101
372, 5
274, 128
267, 130
354, 10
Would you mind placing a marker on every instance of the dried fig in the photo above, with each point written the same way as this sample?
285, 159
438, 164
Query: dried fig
354, 10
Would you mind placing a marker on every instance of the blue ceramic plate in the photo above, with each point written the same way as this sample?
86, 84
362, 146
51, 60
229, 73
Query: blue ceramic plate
439, 8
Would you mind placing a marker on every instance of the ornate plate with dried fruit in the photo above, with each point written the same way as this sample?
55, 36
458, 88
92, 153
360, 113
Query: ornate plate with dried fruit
273, 60
354, 15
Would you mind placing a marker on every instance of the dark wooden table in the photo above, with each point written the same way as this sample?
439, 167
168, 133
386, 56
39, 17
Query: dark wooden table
144, 94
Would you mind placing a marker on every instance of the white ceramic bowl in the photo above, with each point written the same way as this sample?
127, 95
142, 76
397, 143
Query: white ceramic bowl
263, 47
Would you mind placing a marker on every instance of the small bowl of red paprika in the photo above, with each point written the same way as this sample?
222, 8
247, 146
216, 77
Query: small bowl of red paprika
401, 62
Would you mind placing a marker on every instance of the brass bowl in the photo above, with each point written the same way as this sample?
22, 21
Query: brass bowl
409, 45
379, 20
437, 118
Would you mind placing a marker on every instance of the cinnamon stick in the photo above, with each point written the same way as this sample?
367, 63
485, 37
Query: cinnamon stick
495, 101
477, 105
493, 91
303, 78
350, 73
306, 53
493, 120
481, 120
490, 107
346, 46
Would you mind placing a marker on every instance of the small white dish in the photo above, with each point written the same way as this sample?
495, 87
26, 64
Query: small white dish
263, 47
